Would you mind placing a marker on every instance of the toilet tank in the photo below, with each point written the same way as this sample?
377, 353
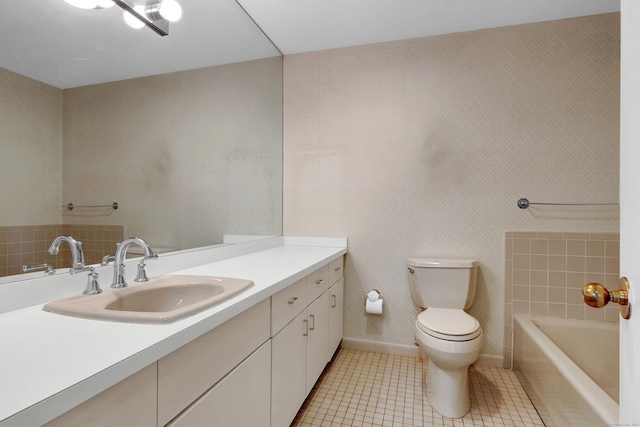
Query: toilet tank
442, 282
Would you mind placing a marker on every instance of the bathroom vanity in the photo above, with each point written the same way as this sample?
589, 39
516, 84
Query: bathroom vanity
250, 360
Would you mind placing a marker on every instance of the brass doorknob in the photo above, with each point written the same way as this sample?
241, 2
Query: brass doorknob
596, 295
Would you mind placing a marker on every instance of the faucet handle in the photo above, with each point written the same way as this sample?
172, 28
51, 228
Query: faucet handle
107, 259
93, 286
142, 274
49, 269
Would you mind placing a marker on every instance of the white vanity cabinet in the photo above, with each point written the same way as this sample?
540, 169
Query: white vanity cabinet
302, 348
256, 369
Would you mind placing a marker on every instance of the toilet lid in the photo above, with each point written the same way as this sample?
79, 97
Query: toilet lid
448, 324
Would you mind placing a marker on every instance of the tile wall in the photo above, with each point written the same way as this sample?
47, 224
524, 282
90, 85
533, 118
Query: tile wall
21, 245
545, 273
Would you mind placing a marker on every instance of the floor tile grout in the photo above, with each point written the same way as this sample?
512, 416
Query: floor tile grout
361, 388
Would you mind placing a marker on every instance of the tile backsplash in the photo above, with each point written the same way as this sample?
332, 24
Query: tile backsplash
545, 273
28, 244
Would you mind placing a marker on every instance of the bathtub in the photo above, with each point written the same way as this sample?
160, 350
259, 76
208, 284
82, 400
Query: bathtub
570, 369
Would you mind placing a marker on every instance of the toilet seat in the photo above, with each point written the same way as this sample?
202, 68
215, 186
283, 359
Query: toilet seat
448, 324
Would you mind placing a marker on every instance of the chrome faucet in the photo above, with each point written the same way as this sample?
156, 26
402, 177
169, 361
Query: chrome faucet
119, 277
77, 261
49, 269
77, 257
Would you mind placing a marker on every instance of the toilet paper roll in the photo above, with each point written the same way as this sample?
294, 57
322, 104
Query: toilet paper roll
373, 295
374, 307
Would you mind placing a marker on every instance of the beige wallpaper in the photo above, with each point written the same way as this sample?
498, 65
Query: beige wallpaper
188, 156
30, 151
422, 148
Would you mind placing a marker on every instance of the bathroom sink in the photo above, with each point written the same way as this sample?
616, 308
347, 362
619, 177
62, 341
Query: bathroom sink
162, 299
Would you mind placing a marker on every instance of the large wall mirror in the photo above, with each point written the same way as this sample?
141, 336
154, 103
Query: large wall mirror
184, 132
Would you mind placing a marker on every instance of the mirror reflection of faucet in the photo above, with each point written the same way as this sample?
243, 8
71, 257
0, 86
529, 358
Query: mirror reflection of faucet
77, 261
49, 270
106, 260
77, 257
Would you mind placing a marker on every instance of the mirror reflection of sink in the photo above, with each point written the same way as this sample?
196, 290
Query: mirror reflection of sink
162, 299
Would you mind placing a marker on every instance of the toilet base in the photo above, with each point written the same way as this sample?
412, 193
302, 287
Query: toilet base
448, 390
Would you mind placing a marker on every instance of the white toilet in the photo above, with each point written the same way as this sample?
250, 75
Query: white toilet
448, 335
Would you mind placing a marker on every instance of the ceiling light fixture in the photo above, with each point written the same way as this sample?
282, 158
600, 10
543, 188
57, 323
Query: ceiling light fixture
155, 14
91, 4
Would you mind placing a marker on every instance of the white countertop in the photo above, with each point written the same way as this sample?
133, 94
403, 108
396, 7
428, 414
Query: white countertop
50, 363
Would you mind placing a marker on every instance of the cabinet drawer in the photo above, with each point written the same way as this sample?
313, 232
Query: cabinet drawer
192, 369
241, 399
286, 304
336, 270
317, 283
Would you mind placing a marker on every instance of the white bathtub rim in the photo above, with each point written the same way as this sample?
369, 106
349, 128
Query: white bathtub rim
601, 403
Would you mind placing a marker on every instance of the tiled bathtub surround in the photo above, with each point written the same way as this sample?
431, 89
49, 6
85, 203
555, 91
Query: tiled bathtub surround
545, 273
21, 245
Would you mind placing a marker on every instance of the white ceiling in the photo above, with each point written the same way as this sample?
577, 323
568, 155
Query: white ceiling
300, 26
65, 47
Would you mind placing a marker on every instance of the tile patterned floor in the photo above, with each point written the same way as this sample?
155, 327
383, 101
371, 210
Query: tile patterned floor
361, 388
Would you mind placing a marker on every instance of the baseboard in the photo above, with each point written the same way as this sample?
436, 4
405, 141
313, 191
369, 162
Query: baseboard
490, 360
380, 347
408, 350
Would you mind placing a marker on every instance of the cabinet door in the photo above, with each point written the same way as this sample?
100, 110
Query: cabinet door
336, 315
318, 339
131, 402
288, 368
240, 399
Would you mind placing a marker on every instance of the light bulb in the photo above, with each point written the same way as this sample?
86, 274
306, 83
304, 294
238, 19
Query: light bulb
91, 4
105, 4
170, 10
83, 4
133, 21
